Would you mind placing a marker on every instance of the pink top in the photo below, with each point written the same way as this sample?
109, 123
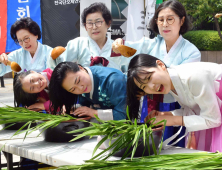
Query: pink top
43, 93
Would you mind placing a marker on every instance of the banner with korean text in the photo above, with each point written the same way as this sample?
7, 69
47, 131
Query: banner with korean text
3, 25
19, 9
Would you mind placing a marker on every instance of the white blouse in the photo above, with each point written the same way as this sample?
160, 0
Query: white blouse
196, 86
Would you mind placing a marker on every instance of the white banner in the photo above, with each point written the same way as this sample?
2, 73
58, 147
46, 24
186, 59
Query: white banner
150, 10
87, 3
137, 23
135, 20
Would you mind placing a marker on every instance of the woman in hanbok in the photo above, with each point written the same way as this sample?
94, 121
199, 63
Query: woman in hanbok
196, 86
31, 89
99, 90
33, 55
86, 50
170, 22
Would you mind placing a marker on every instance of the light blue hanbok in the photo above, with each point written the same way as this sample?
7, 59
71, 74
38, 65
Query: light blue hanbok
81, 50
181, 52
38, 63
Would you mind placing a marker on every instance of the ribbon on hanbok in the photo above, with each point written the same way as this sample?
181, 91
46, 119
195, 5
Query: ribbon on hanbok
98, 60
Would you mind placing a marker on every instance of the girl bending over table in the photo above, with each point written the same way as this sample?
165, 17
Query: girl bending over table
100, 90
196, 86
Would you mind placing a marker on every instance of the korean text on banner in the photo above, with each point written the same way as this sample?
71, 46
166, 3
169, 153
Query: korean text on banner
19, 9
3, 25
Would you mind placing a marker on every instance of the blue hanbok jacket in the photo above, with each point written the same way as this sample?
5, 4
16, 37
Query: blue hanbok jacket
108, 94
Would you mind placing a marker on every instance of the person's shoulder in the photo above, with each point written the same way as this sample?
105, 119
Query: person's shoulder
17, 52
45, 46
105, 71
189, 45
79, 39
197, 70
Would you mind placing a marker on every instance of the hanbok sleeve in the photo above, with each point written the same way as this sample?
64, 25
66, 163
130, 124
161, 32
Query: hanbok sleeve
116, 91
83, 101
12, 57
202, 87
190, 53
70, 54
145, 45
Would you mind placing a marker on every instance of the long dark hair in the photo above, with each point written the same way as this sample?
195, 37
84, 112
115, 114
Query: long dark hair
21, 98
179, 9
57, 95
136, 67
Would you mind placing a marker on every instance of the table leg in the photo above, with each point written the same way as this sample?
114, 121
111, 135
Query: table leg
9, 161
2, 81
0, 161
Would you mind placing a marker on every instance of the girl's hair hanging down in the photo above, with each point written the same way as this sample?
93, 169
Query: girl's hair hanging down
136, 67
21, 98
57, 95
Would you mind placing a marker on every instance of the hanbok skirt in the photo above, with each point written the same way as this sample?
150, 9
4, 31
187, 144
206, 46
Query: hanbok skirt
155, 102
211, 139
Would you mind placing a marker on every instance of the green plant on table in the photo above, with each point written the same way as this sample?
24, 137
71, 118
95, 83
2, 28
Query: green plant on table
185, 161
121, 130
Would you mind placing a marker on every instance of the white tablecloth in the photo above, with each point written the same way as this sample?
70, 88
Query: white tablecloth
58, 154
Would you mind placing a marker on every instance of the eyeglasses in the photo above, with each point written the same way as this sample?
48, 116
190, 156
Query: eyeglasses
26, 40
97, 24
170, 20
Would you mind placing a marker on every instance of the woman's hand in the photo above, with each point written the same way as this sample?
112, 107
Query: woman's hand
116, 44
168, 116
4, 58
63, 111
85, 111
37, 106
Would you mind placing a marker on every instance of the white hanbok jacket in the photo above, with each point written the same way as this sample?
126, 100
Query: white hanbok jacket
196, 85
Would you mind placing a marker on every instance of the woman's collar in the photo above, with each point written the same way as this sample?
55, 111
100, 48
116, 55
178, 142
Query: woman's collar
91, 77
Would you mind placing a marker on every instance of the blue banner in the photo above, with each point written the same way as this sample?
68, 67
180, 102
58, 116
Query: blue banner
17, 9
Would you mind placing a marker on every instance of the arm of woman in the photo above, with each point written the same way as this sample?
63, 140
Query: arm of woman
202, 89
190, 53
38, 105
168, 116
4, 59
70, 54
144, 45
85, 109
116, 91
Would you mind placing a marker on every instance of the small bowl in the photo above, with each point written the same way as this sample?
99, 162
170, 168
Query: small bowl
59, 133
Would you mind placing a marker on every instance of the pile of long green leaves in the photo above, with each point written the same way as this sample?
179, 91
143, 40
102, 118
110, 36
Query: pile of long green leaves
201, 160
126, 133
14, 115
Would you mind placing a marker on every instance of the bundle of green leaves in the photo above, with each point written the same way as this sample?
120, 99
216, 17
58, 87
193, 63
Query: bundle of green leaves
201, 160
121, 130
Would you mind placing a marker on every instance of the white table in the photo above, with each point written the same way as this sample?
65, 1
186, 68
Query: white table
58, 154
